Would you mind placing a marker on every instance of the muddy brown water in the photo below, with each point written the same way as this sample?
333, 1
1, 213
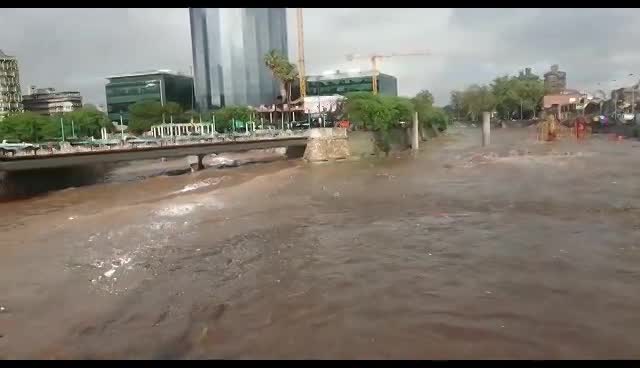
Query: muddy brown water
519, 250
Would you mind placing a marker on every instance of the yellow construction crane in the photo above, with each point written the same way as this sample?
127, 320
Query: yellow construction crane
301, 76
374, 63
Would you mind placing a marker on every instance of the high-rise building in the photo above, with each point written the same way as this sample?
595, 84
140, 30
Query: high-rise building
229, 45
10, 97
555, 81
47, 101
157, 85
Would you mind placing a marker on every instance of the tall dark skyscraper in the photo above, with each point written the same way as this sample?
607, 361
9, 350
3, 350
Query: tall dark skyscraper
228, 46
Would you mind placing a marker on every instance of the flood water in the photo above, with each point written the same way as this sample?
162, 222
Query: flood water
519, 250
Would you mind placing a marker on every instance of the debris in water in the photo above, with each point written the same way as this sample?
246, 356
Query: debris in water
2, 308
110, 272
71, 218
336, 194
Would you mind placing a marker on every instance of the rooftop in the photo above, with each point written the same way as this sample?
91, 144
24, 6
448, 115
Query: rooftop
148, 72
340, 75
5, 56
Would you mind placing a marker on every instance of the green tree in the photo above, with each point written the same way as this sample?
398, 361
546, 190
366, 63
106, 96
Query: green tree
87, 121
455, 103
477, 99
144, 114
424, 98
514, 94
283, 71
173, 109
28, 127
428, 115
436, 118
228, 114
505, 89
377, 112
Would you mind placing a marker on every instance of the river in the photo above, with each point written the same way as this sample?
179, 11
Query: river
517, 250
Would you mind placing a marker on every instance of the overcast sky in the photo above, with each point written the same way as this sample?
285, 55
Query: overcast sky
74, 49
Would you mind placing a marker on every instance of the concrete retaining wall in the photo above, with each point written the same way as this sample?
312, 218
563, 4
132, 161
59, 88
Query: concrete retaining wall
327, 144
367, 143
363, 144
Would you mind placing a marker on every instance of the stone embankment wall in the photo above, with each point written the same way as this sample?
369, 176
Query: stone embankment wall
326, 144
367, 143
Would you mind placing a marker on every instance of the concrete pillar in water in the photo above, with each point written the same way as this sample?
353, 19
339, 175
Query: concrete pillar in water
486, 128
415, 135
195, 163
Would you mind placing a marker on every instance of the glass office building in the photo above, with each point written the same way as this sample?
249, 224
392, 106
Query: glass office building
228, 47
157, 85
343, 83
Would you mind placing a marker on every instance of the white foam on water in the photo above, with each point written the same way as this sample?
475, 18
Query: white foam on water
198, 185
110, 272
212, 202
177, 210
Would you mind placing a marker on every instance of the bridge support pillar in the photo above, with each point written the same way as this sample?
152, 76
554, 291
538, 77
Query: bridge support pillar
195, 162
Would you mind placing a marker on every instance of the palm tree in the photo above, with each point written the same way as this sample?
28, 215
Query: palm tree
283, 71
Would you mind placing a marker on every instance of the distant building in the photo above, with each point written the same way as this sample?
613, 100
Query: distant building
10, 96
555, 80
565, 102
345, 82
46, 101
157, 85
229, 45
624, 97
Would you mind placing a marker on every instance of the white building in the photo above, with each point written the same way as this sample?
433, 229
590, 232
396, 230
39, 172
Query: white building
10, 97
47, 101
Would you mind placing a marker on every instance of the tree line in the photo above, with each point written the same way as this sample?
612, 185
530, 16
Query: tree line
364, 109
28, 126
509, 96
144, 114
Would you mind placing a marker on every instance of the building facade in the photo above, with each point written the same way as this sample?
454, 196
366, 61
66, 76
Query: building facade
555, 80
341, 83
229, 45
46, 101
158, 85
10, 96
626, 99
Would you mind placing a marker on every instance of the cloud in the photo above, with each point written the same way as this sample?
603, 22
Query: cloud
75, 49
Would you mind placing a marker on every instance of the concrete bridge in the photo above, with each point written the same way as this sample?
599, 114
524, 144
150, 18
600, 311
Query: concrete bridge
199, 150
